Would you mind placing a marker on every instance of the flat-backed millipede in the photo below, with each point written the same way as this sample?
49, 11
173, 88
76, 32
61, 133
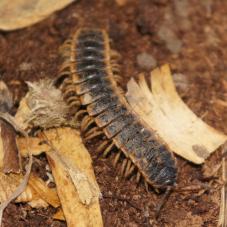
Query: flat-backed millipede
90, 74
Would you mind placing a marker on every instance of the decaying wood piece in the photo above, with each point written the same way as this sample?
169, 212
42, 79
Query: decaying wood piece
11, 162
165, 112
22, 13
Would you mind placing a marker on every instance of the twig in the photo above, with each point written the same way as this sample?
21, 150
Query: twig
123, 200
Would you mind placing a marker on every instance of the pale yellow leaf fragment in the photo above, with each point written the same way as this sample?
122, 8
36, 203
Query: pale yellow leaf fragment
22, 13
165, 112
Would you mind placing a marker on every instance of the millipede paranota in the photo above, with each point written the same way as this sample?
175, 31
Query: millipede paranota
91, 74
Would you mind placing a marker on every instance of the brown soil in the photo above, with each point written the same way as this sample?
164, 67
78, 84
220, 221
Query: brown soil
32, 53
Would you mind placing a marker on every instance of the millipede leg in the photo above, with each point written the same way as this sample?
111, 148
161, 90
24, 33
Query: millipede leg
114, 54
75, 103
80, 113
123, 166
118, 78
102, 146
108, 149
163, 201
88, 124
116, 159
65, 65
68, 89
64, 73
127, 168
87, 120
138, 175
98, 133
91, 131
130, 170
67, 80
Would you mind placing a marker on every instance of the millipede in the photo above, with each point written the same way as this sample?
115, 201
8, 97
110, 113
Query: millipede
90, 85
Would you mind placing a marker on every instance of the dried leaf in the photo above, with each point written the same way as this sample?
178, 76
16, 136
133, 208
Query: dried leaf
22, 13
73, 173
165, 112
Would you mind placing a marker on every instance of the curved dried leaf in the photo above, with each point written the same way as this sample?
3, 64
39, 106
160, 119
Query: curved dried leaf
165, 112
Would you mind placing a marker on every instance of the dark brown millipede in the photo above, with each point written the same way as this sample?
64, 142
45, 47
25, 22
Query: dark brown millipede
90, 74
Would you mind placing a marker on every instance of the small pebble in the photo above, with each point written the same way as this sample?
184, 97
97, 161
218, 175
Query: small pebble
136, 197
173, 44
181, 81
25, 66
146, 61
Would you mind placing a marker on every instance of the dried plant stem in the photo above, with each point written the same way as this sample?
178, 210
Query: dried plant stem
222, 221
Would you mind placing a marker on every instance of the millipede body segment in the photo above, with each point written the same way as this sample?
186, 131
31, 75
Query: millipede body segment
90, 73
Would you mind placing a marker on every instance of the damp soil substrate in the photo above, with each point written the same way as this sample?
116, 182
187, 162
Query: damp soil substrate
33, 53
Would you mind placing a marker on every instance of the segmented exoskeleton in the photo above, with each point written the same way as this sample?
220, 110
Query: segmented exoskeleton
90, 75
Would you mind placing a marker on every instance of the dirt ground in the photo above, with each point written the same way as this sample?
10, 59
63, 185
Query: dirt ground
190, 35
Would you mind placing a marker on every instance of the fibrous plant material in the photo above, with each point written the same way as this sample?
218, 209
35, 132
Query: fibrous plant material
42, 107
90, 74
164, 111
22, 13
